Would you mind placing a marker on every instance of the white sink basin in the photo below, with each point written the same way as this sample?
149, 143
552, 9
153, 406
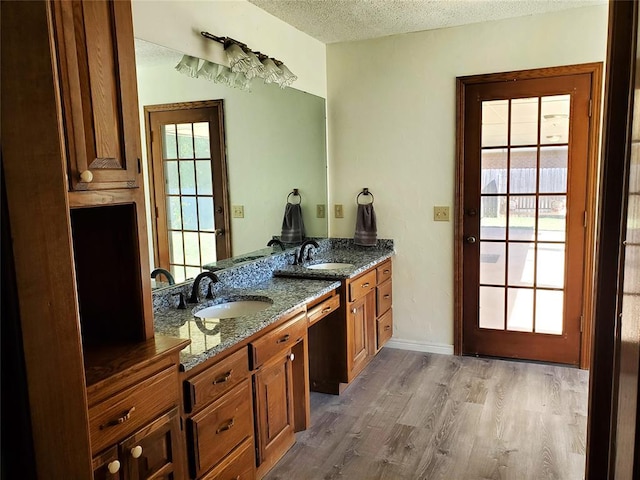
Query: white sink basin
233, 309
330, 266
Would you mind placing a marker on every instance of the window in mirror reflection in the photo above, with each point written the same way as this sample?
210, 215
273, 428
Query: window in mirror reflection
189, 184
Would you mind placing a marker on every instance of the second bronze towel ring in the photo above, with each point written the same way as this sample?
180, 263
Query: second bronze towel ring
365, 192
295, 193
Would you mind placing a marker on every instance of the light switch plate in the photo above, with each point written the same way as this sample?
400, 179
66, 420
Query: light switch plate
320, 211
441, 214
339, 212
238, 211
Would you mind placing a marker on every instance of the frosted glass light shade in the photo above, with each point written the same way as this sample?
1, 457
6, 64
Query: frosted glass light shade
287, 77
238, 59
209, 70
272, 72
188, 65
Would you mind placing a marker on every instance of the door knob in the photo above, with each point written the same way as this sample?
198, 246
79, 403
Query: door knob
470, 239
219, 232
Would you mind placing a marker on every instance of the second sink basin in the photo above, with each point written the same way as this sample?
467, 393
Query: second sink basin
330, 266
232, 309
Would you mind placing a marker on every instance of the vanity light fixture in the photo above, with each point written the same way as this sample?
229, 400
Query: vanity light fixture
250, 63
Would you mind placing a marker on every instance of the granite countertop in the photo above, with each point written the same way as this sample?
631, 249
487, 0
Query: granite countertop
210, 337
362, 259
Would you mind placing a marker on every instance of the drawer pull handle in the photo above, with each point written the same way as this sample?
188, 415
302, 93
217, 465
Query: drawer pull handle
387, 328
114, 466
354, 310
292, 357
365, 285
385, 271
223, 378
326, 309
136, 452
119, 420
387, 296
283, 339
226, 426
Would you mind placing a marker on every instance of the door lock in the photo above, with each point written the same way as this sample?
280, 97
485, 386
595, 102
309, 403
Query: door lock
470, 239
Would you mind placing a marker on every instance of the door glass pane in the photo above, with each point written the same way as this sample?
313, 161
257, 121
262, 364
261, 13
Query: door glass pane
169, 150
493, 220
494, 171
208, 248
178, 273
550, 271
185, 140
520, 309
549, 311
187, 178
176, 253
201, 139
191, 248
492, 262
192, 272
205, 213
555, 119
203, 174
492, 308
524, 121
521, 263
522, 217
553, 169
174, 216
523, 170
171, 179
189, 213
495, 115
552, 218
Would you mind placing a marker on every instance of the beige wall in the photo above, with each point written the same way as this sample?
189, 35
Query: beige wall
177, 25
391, 117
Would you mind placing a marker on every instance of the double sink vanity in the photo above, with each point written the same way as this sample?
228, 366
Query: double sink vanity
226, 384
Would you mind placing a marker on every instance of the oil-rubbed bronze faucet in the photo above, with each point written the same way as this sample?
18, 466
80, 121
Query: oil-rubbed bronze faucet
196, 285
275, 241
303, 246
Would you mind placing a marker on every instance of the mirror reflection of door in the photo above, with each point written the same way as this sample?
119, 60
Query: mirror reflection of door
188, 185
526, 145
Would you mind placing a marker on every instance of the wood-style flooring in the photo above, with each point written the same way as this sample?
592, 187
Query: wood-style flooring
413, 415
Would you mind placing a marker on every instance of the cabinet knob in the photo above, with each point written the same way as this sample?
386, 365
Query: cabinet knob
136, 451
114, 466
292, 357
365, 285
354, 310
86, 176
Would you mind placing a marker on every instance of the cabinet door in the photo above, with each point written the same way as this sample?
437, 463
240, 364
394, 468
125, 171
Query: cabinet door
273, 388
97, 72
106, 466
154, 452
360, 333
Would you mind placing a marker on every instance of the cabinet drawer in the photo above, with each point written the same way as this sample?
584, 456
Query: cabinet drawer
220, 428
238, 465
384, 297
216, 380
124, 412
359, 287
282, 338
384, 328
383, 272
323, 309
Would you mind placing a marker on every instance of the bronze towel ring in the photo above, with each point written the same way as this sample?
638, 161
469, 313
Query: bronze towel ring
365, 192
295, 193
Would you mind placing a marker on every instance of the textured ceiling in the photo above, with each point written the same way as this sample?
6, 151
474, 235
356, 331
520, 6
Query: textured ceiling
333, 21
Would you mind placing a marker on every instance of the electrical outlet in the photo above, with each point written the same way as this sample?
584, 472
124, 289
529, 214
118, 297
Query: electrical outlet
339, 212
441, 214
238, 211
320, 211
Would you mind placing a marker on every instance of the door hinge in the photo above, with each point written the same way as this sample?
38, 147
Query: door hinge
581, 323
151, 136
181, 425
584, 221
157, 213
139, 166
590, 107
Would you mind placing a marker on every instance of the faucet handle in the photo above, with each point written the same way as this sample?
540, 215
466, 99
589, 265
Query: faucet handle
295, 257
209, 291
181, 304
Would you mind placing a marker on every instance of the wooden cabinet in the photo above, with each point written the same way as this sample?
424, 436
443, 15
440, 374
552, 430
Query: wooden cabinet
94, 41
220, 425
134, 421
280, 388
352, 331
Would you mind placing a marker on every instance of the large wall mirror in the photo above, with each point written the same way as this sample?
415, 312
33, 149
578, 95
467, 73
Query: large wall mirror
275, 141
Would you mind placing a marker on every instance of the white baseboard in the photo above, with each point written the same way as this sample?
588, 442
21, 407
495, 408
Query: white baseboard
442, 348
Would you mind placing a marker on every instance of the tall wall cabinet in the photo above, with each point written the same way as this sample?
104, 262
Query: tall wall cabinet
75, 202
